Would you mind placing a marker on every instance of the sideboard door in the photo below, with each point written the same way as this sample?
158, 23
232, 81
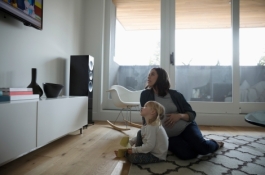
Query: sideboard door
17, 129
59, 116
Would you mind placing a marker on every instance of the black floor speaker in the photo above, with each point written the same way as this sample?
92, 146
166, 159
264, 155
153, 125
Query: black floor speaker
81, 79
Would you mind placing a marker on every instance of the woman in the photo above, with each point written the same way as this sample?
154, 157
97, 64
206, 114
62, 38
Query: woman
185, 138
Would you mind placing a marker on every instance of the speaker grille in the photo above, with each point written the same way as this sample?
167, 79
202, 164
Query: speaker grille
79, 76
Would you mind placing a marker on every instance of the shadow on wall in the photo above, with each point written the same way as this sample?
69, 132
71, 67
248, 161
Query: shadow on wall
9, 20
6, 77
58, 64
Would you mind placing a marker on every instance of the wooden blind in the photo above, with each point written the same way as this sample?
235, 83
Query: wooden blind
197, 14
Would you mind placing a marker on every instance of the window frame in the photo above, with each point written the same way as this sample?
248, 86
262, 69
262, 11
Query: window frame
167, 47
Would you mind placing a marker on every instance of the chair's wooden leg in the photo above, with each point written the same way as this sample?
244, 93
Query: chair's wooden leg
134, 124
117, 127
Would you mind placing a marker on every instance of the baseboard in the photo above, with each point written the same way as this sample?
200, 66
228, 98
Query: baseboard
201, 118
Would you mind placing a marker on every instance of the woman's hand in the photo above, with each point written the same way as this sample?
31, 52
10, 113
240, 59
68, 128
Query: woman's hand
173, 118
129, 151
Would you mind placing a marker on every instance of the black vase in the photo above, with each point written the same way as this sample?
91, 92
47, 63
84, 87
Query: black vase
34, 85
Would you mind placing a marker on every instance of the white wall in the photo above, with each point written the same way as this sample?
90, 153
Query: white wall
48, 50
94, 45
70, 27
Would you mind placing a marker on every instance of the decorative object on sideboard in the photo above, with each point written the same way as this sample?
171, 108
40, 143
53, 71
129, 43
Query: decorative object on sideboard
34, 85
52, 90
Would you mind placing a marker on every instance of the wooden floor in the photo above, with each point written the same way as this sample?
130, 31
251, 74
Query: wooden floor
92, 152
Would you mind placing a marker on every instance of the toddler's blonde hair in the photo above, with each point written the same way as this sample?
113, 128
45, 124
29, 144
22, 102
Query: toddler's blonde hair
160, 112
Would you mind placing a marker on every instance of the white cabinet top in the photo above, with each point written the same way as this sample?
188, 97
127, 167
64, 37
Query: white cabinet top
41, 99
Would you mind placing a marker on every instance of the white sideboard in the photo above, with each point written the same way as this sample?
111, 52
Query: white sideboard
17, 129
57, 117
28, 125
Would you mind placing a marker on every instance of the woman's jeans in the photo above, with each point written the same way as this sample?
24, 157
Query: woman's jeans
190, 143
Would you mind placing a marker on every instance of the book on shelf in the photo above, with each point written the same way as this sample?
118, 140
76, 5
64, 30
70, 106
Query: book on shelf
15, 89
1, 93
11, 93
19, 97
4, 98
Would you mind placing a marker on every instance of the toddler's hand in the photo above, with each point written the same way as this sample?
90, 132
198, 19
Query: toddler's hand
129, 150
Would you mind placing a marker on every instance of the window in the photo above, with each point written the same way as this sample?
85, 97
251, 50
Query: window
252, 55
137, 45
205, 64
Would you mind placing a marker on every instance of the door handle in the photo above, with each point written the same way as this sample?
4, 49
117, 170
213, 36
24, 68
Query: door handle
172, 59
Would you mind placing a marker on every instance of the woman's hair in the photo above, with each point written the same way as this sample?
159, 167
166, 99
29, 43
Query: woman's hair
162, 83
160, 112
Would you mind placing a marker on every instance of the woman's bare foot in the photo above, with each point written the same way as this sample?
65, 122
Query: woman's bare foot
219, 143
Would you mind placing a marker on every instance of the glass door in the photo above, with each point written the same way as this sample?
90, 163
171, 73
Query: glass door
135, 44
212, 58
137, 41
252, 55
203, 55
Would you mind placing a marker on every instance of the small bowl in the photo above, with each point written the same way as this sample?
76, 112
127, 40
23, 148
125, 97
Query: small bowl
52, 90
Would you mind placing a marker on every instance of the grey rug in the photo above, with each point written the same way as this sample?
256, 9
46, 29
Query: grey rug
240, 155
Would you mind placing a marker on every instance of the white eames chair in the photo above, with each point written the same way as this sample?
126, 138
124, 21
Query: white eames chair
126, 100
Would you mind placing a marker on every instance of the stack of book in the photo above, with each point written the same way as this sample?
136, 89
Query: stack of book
13, 94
